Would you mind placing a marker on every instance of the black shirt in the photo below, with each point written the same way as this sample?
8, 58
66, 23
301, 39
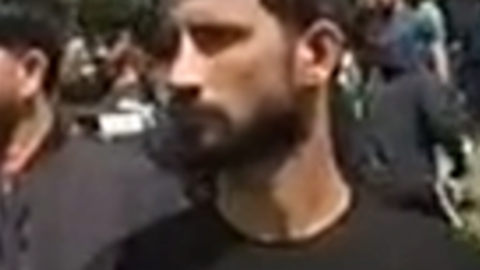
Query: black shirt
78, 198
408, 117
368, 237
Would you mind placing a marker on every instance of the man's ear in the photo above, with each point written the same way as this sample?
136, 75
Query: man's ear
32, 72
318, 53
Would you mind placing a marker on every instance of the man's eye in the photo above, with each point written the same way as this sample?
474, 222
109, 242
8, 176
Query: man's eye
213, 39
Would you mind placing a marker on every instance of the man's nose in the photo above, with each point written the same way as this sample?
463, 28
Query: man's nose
186, 76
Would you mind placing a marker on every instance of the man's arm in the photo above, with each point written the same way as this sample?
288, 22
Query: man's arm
441, 61
436, 38
443, 119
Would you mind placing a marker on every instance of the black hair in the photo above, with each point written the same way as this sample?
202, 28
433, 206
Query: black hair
301, 14
28, 25
154, 30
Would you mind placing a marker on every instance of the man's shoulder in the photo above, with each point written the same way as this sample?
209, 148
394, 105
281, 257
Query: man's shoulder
382, 237
435, 246
124, 165
95, 159
188, 225
112, 176
89, 195
87, 151
176, 240
415, 242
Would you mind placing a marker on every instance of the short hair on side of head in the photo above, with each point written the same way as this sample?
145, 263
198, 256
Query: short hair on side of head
153, 29
300, 15
26, 25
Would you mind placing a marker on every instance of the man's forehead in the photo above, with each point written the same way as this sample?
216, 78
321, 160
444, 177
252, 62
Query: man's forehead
218, 10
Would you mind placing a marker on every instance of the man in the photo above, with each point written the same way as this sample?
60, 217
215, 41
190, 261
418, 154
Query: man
465, 22
403, 146
62, 198
407, 121
413, 34
432, 33
250, 82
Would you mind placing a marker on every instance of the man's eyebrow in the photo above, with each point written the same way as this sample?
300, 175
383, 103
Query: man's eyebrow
225, 26
215, 18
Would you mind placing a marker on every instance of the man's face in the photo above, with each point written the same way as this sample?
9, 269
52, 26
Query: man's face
233, 76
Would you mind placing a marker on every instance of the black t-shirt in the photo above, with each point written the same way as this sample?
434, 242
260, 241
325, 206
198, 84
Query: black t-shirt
369, 237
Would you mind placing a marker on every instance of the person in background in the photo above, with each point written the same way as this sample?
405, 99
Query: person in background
432, 33
402, 147
465, 40
414, 34
464, 18
63, 198
107, 95
250, 82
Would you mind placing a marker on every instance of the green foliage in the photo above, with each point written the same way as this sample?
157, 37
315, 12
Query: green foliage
105, 16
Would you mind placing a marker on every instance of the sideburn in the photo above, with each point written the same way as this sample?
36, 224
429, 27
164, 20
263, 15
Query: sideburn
9, 117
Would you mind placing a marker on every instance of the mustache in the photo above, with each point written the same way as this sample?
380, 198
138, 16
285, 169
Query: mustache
194, 117
177, 143
271, 131
8, 119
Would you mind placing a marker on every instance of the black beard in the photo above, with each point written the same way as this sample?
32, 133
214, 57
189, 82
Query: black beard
8, 119
273, 133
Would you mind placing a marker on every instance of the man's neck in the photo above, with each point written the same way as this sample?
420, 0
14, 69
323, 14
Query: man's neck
28, 137
295, 200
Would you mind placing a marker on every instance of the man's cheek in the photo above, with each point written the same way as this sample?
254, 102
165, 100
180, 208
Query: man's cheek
236, 68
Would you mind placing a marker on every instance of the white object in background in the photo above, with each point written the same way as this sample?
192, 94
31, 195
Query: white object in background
448, 192
146, 111
120, 124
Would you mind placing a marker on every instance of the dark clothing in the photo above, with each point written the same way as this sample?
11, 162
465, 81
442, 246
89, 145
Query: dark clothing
465, 17
398, 42
406, 119
344, 128
395, 41
459, 17
368, 237
80, 198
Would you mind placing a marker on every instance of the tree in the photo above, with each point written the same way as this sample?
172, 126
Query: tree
105, 16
